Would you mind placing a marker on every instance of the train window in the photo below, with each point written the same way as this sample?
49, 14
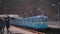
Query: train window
38, 19
42, 19
24, 20
27, 19
19, 20
46, 19
33, 19
30, 20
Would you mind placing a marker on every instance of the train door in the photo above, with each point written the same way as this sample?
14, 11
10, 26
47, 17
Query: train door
33, 21
30, 22
25, 21
43, 22
20, 21
37, 23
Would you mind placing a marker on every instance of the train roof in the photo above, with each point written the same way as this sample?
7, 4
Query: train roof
42, 16
38, 16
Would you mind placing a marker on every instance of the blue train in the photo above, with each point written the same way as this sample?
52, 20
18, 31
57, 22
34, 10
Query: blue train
37, 22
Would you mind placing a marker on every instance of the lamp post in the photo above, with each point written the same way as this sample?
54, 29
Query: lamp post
58, 9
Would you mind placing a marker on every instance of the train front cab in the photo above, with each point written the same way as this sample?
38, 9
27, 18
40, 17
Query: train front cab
41, 23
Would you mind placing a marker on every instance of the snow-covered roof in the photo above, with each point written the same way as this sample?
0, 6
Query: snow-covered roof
3, 15
15, 16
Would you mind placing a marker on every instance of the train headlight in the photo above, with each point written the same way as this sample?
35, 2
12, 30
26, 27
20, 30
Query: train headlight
42, 22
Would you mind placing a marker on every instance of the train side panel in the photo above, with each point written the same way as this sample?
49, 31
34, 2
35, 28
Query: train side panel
34, 22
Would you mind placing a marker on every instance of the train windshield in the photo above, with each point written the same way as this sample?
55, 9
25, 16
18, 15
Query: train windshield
43, 19
46, 19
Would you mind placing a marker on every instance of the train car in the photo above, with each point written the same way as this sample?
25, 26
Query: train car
17, 21
37, 22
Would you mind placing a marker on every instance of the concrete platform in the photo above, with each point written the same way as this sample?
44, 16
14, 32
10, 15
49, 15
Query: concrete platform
15, 30
54, 24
